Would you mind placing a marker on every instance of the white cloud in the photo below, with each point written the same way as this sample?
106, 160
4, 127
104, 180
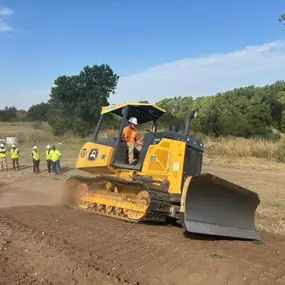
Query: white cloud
4, 27
253, 65
5, 13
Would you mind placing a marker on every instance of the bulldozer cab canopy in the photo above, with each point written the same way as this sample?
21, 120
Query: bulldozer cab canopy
144, 112
115, 117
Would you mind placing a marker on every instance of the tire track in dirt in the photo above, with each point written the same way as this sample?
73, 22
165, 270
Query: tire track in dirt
128, 253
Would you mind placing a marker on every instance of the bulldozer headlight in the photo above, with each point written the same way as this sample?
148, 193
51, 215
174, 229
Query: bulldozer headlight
83, 152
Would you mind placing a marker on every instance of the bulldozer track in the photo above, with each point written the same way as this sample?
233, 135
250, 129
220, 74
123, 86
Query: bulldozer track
157, 210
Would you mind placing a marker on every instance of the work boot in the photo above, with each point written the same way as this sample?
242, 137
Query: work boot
135, 161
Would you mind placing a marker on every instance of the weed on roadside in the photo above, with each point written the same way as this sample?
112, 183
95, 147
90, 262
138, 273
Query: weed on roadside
217, 254
258, 242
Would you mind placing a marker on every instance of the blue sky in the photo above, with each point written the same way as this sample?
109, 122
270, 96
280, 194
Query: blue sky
160, 48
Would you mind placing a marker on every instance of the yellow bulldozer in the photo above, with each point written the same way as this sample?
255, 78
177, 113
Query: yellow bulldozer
164, 184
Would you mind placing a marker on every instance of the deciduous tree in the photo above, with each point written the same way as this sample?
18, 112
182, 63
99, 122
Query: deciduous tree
76, 100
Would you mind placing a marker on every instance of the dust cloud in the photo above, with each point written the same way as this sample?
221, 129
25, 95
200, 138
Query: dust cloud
36, 192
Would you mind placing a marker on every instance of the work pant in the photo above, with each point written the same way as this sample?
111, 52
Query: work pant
36, 166
56, 167
3, 162
49, 164
15, 161
132, 147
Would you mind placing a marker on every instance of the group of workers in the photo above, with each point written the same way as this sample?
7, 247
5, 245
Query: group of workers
14, 157
52, 156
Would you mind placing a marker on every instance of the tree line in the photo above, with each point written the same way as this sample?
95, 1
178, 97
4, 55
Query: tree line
242, 112
75, 103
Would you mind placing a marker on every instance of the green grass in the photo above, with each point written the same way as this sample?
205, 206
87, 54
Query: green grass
30, 134
216, 254
258, 242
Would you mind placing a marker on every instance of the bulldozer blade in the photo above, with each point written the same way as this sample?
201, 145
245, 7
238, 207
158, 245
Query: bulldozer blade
213, 206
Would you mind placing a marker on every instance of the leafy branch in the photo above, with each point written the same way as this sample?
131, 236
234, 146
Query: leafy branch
282, 18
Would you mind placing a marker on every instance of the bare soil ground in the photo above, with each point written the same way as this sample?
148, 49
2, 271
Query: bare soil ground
43, 243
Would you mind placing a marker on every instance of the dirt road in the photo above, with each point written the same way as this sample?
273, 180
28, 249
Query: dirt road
42, 243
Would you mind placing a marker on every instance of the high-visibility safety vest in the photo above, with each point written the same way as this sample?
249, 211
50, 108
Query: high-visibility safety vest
48, 154
35, 155
55, 155
129, 134
14, 153
2, 152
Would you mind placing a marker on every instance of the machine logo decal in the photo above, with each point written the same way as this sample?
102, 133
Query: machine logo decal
93, 154
83, 152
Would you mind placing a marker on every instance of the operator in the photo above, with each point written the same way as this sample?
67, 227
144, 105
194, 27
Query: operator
130, 136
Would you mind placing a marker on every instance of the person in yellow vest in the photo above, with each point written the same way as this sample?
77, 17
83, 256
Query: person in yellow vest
36, 160
48, 158
55, 157
3, 159
15, 157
